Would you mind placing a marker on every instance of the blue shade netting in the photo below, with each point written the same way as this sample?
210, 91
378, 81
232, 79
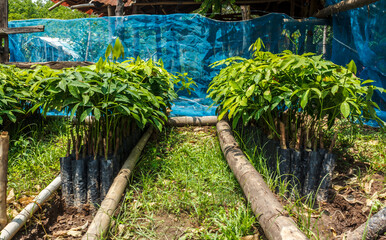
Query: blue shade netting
185, 43
360, 35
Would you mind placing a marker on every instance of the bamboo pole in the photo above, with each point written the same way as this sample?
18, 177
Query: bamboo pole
268, 210
4, 145
342, 6
17, 223
192, 121
102, 219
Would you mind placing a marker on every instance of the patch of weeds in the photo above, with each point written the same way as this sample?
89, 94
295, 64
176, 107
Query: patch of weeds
33, 160
362, 144
183, 189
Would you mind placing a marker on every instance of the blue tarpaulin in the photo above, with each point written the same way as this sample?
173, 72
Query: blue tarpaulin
190, 43
185, 42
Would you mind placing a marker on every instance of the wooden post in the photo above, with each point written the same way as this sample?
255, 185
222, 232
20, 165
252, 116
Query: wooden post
4, 48
246, 12
4, 31
292, 11
119, 8
4, 145
110, 11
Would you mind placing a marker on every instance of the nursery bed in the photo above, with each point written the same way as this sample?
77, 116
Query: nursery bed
358, 184
183, 189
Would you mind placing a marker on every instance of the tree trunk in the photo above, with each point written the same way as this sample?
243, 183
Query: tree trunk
269, 212
119, 8
4, 145
342, 6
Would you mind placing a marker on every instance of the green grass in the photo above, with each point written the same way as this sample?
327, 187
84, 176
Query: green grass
363, 144
33, 160
183, 189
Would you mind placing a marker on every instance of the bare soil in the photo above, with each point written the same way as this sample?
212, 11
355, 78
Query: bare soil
350, 200
55, 221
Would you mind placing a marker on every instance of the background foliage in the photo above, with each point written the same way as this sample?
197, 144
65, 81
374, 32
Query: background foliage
28, 9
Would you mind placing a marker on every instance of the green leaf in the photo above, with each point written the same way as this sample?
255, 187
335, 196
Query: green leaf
232, 110
11, 116
267, 95
73, 111
74, 91
244, 102
345, 109
85, 113
250, 90
235, 120
97, 114
304, 100
317, 91
235, 86
367, 81
228, 101
107, 53
352, 67
85, 98
334, 89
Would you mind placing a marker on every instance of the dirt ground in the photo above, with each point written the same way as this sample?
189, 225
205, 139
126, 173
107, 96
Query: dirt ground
55, 221
347, 208
349, 203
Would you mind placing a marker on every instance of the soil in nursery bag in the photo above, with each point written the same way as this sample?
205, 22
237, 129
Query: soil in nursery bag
80, 182
106, 176
93, 176
67, 186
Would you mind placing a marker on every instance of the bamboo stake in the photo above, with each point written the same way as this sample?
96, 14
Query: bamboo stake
102, 219
268, 210
4, 145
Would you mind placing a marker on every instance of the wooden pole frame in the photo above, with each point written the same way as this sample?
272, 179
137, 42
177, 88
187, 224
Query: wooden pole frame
4, 31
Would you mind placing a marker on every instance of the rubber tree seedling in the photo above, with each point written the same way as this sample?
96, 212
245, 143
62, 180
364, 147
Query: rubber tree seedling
110, 94
312, 91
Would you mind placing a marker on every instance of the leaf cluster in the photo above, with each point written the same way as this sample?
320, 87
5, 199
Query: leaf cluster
108, 92
269, 86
